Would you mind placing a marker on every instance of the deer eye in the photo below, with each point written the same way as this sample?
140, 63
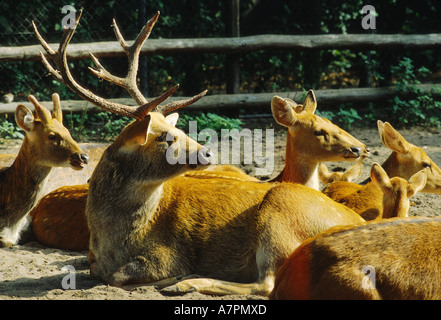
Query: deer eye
319, 133
162, 137
427, 165
52, 136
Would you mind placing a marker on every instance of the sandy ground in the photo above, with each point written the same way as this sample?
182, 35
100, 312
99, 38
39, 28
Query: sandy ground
31, 271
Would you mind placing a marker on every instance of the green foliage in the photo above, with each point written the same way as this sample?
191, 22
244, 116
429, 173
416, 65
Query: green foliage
346, 117
208, 121
9, 130
261, 71
421, 108
102, 126
105, 126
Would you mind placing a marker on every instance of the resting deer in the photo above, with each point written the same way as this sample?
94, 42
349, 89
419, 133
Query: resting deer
348, 175
401, 255
405, 160
58, 220
47, 144
150, 226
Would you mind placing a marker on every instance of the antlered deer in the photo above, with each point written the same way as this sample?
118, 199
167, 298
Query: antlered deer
146, 228
58, 220
405, 160
401, 255
47, 144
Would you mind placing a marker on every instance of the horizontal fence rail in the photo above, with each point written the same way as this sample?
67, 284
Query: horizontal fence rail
254, 100
236, 45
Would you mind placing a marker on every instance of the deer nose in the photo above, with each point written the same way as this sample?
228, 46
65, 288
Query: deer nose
84, 157
356, 150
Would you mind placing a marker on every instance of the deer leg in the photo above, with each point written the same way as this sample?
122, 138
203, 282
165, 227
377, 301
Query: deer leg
4, 243
161, 283
209, 286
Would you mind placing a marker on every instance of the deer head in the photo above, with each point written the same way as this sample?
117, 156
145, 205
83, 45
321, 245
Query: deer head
150, 143
50, 142
323, 140
397, 191
410, 158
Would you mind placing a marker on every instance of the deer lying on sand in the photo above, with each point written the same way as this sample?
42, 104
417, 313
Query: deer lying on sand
47, 144
394, 258
149, 224
59, 220
405, 160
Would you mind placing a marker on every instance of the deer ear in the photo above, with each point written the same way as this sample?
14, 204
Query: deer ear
380, 177
172, 119
353, 172
136, 132
392, 139
310, 102
323, 173
283, 111
417, 182
24, 118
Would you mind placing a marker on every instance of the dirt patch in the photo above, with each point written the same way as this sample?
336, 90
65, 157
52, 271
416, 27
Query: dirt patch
32, 271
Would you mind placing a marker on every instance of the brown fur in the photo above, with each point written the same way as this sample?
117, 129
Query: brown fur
330, 264
336, 146
47, 144
146, 228
403, 252
405, 160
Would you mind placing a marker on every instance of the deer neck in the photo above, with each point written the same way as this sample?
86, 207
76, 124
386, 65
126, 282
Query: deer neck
299, 168
23, 182
391, 165
130, 202
26, 167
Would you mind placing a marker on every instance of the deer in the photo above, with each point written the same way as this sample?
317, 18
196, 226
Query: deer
405, 160
150, 224
47, 144
348, 175
60, 222
400, 254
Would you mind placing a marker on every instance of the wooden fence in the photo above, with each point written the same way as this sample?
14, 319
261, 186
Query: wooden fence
243, 45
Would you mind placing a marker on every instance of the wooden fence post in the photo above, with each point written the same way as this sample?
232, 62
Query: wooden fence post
232, 63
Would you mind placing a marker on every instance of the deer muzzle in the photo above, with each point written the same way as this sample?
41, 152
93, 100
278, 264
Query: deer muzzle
79, 160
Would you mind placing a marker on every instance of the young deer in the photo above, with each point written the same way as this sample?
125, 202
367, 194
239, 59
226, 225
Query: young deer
405, 160
401, 254
47, 144
146, 228
348, 175
59, 221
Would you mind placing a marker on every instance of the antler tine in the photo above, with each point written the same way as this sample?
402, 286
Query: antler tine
63, 73
172, 106
129, 82
135, 48
149, 106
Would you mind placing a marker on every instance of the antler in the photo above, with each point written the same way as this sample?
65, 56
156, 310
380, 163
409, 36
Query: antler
64, 75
